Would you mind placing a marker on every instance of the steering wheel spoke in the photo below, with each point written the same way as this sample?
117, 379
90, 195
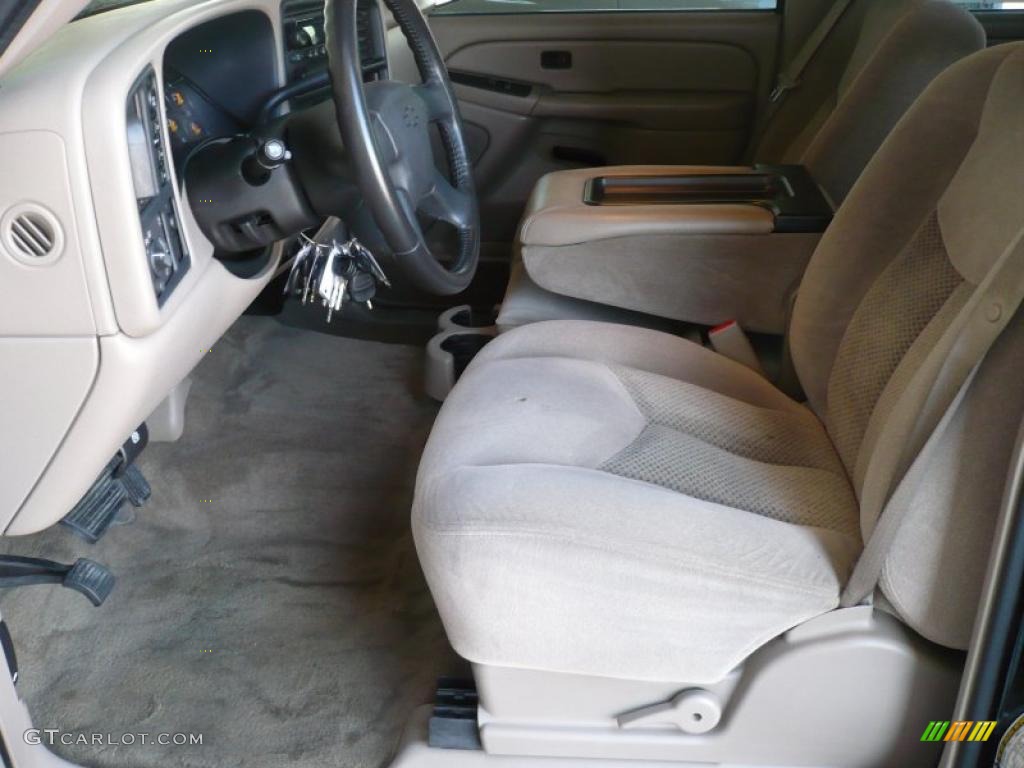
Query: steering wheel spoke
445, 202
434, 96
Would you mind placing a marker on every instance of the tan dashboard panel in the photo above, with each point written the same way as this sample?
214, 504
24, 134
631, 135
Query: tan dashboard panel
134, 376
44, 294
57, 372
86, 352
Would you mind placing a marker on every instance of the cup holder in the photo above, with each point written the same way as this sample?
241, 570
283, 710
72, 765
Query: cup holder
465, 317
463, 348
448, 354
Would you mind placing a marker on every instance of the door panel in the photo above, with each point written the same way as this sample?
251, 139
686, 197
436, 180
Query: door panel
586, 66
545, 92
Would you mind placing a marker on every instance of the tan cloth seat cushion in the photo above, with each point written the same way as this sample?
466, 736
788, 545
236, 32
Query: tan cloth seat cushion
626, 487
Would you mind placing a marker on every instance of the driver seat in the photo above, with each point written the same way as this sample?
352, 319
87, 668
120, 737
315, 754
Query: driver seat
613, 502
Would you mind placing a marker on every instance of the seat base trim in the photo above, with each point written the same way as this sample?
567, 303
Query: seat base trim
853, 687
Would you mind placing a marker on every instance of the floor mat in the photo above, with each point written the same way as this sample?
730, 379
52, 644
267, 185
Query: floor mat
268, 597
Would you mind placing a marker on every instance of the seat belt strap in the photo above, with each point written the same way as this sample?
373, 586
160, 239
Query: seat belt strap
937, 388
789, 76
868, 570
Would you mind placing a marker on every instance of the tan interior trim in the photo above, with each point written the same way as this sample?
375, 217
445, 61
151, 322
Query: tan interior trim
556, 214
104, 353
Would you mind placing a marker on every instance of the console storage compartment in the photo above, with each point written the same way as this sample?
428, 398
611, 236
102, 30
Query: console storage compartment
788, 191
699, 244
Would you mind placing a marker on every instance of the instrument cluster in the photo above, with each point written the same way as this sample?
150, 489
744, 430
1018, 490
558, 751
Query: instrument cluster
192, 117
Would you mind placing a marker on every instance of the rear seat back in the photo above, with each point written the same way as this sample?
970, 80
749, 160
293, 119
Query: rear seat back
872, 66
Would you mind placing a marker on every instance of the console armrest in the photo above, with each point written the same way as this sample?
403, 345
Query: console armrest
597, 203
702, 244
558, 213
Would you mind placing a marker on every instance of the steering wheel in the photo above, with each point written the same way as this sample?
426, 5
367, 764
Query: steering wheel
385, 126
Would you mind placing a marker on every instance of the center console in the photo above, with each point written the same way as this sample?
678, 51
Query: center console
304, 43
698, 244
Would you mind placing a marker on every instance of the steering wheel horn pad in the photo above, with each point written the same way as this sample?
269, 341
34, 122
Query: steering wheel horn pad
385, 126
400, 129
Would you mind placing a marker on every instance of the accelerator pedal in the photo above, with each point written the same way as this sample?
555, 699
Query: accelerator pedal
120, 480
453, 723
93, 580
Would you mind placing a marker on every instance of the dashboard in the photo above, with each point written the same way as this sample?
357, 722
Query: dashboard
96, 126
219, 78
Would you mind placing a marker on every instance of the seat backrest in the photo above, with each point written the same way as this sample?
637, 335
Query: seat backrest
934, 209
879, 57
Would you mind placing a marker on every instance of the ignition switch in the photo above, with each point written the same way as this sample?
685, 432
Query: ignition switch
270, 154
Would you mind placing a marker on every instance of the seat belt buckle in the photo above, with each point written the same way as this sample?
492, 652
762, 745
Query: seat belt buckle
729, 340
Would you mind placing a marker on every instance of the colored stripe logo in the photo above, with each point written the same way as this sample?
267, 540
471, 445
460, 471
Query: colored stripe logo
958, 730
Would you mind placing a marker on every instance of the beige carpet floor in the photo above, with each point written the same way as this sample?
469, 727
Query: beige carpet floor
268, 596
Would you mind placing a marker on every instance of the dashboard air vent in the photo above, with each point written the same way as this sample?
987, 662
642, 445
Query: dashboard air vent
32, 235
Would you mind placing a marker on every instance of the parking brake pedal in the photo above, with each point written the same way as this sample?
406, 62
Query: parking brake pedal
93, 580
121, 480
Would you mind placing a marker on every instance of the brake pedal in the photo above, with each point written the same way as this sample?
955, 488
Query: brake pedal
120, 481
88, 577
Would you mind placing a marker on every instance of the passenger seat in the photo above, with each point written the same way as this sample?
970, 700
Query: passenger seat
873, 63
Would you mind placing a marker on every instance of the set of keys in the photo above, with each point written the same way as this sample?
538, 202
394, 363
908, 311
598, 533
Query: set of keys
332, 272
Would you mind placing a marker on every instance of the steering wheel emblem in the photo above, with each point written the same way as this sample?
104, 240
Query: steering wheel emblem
411, 116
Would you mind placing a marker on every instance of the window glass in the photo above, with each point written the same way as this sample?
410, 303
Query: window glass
467, 7
991, 5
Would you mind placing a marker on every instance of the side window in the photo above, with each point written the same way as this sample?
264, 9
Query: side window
990, 5
472, 7
1003, 20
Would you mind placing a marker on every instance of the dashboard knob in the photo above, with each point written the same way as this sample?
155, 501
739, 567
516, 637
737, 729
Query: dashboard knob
300, 38
160, 260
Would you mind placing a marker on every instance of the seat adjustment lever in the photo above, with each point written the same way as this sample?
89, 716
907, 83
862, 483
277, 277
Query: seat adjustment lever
694, 711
